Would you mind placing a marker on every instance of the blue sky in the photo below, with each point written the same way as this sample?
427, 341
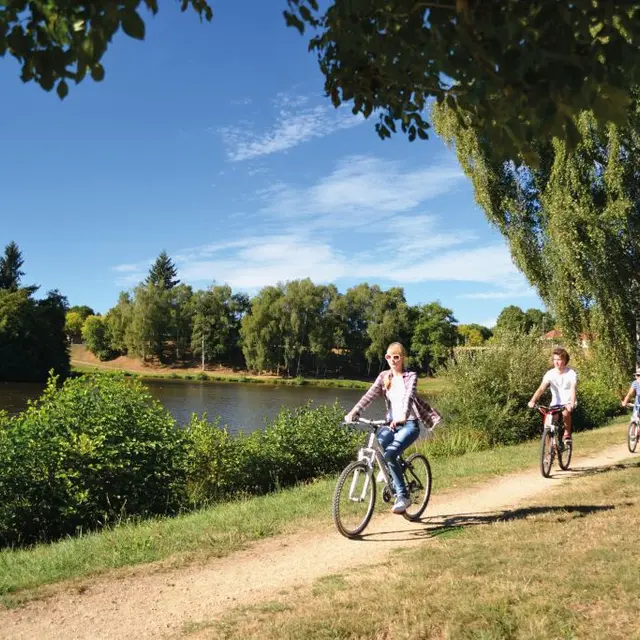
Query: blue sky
215, 143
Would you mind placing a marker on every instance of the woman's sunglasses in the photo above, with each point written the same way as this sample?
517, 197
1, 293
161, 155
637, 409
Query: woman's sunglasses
394, 357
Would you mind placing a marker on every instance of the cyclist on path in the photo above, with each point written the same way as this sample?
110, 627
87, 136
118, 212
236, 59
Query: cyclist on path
634, 388
563, 381
404, 409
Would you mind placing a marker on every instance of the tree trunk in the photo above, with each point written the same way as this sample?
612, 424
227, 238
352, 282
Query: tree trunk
203, 351
298, 367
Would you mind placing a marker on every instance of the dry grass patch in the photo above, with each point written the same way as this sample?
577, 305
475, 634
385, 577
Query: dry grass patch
565, 567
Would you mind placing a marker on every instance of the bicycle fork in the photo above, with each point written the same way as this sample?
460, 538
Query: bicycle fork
370, 455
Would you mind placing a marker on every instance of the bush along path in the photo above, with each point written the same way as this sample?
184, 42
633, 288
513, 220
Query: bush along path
156, 601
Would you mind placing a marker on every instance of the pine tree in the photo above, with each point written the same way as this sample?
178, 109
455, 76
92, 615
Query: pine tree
163, 272
10, 264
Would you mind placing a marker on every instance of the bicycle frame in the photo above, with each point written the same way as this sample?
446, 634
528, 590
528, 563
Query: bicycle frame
552, 418
373, 455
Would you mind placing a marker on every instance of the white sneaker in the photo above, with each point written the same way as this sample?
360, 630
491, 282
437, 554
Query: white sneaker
401, 505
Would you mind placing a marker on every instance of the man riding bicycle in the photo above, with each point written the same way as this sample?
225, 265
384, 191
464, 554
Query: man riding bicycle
563, 381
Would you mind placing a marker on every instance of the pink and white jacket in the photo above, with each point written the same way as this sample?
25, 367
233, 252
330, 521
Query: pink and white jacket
425, 412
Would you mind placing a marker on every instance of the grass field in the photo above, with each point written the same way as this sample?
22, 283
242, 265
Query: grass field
568, 566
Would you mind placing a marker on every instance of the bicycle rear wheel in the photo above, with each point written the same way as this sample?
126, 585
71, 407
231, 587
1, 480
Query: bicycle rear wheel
546, 453
632, 436
564, 453
417, 476
354, 499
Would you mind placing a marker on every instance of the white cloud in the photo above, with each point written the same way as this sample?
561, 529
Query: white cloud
490, 323
490, 264
524, 292
262, 261
363, 221
360, 191
296, 122
258, 261
125, 268
417, 235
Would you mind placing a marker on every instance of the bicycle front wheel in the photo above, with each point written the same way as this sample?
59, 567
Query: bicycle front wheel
632, 436
354, 499
546, 453
417, 476
564, 453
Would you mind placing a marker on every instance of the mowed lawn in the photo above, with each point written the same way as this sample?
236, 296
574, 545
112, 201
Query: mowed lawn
565, 566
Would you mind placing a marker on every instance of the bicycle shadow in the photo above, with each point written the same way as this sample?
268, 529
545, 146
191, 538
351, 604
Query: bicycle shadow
447, 524
594, 471
441, 525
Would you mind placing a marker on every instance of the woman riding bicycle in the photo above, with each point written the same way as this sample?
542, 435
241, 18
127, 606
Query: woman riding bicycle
404, 409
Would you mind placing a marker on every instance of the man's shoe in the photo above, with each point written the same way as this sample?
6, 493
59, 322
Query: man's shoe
401, 505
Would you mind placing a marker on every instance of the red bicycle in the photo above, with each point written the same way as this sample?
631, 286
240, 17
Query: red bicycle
552, 444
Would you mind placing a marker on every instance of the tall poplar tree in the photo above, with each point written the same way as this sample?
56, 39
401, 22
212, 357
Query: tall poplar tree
572, 223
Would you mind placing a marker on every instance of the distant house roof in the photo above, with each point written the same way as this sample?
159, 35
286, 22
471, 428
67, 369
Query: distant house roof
555, 334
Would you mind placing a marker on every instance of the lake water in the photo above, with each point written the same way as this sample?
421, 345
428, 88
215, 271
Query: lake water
241, 406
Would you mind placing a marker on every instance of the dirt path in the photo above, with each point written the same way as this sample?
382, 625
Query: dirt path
157, 604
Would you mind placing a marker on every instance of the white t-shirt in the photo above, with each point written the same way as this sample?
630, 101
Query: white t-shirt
396, 398
560, 384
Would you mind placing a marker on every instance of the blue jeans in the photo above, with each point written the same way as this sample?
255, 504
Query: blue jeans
394, 443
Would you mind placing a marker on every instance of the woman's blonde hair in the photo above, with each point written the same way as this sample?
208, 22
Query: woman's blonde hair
394, 347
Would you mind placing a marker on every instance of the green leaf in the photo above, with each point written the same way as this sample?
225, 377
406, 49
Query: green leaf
292, 20
133, 25
97, 72
62, 89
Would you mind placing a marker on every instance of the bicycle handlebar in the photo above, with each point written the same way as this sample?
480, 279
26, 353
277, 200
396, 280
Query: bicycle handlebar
373, 423
370, 423
544, 409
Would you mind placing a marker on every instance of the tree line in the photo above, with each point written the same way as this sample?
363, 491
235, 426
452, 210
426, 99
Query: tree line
32, 331
293, 328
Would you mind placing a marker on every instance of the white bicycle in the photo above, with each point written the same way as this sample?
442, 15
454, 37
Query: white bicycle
355, 494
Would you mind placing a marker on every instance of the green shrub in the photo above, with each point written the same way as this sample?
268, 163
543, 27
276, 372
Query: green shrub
213, 461
94, 451
455, 441
295, 446
600, 389
487, 391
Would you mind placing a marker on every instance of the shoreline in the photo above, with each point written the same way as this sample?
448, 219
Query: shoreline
431, 386
208, 376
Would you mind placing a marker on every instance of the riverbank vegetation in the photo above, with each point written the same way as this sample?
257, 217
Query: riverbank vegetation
99, 450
